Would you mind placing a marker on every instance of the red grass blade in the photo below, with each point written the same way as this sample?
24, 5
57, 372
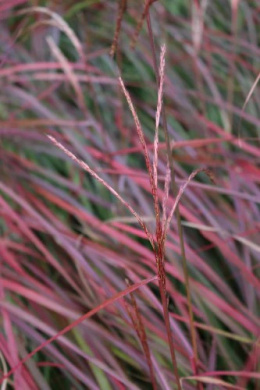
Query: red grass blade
78, 321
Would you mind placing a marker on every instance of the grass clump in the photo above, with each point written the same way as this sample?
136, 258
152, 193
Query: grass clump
129, 195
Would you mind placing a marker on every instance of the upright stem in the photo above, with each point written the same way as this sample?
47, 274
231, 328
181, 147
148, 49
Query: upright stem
168, 330
175, 191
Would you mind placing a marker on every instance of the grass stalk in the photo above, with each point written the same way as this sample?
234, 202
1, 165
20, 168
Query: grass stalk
175, 191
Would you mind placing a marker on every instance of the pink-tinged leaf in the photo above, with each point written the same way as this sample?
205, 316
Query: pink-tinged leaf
213, 381
41, 76
224, 306
78, 321
236, 141
193, 143
245, 374
226, 251
11, 342
8, 257
29, 123
53, 303
37, 66
27, 232
68, 71
93, 221
60, 23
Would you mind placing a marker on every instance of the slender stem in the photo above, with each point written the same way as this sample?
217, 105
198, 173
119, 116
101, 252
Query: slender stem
169, 333
141, 333
175, 191
162, 281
